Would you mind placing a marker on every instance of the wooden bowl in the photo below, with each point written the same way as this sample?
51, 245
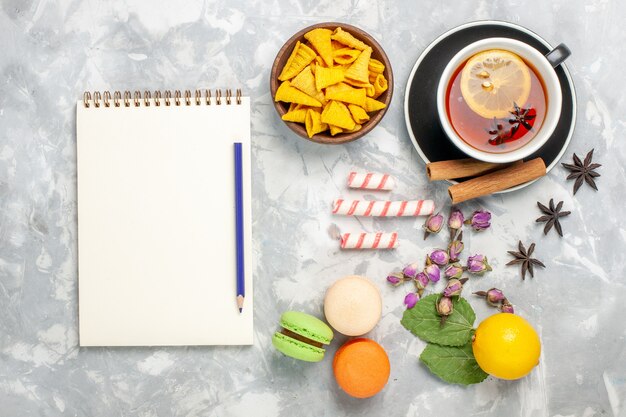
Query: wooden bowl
325, 137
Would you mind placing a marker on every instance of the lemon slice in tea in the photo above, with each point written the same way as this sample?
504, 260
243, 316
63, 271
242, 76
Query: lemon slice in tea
493, 80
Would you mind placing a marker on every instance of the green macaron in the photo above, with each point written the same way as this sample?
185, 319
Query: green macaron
302, 336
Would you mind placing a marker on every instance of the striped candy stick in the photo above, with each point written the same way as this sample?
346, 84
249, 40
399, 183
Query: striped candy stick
381, 208
369, 240
371, 181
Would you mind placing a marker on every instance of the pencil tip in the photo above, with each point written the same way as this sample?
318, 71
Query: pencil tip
240, 302
240, 310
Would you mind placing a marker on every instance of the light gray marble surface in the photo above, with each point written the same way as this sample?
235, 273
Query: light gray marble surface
52, 51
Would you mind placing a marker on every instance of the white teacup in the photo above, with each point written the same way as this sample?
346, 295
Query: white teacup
543, 65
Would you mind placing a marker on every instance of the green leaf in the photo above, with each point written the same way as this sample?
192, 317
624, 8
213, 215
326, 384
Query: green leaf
424, 322
453, 364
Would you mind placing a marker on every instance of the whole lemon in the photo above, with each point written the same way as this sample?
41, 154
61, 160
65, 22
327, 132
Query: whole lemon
506, 346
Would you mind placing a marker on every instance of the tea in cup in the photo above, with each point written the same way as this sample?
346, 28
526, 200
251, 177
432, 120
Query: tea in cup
499, 99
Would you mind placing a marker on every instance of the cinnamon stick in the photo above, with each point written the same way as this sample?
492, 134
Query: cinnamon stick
461, 168
497, 181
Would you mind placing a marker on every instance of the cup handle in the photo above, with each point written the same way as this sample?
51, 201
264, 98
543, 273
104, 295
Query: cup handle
559, 54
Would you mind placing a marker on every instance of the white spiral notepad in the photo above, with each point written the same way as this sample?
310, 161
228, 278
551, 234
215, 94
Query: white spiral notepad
156, 219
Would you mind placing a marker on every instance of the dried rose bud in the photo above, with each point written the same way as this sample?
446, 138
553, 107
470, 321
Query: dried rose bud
433, 272
453, 271
506, 307
421, 280
395, 278
455, 221
477, 264
480, 220
433, 224
454, 250
411, 299
445, 306
439, 257
411, 270
494, 297
454, 287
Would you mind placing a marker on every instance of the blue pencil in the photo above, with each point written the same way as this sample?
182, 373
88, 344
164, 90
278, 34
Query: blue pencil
241, 281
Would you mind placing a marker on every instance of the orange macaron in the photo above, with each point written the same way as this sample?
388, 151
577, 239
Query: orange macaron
361, 367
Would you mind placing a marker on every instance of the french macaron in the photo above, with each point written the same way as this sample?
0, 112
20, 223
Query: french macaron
302, 336
353, 305
361, 367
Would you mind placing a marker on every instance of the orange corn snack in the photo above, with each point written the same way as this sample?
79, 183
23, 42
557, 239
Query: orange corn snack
373, 105
313, 123
298, 115
359, 114
347, 94
335, 130
347, 39
345, 56
301, 56
289, 94
376, 66
358, 70
305, 82
380, 85
336, 113
327, 76
320, 39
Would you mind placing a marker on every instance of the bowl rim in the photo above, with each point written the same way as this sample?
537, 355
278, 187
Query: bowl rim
298, 128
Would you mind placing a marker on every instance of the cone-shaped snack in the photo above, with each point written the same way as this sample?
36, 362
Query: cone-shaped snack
358, 114
376, 66
358, 84
335, 129
327, 76
358, 70
354, 129
380, 85
336, 45
305, 82
373, 105
298, 115
291, 94
313, 123
320, 39
345, 56
346, 93
347, 39
336, 113
301, 56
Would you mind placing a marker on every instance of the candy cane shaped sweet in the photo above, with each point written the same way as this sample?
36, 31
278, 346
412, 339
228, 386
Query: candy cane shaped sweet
371, 181
369, 240
381, 208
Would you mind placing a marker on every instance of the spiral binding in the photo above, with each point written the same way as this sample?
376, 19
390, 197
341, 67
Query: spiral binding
147, 98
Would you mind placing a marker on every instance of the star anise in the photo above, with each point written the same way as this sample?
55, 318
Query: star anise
583, 171
521, 117
500, 134
552, 216
524, 257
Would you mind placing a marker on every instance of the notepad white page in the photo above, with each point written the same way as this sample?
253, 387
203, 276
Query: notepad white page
156, 225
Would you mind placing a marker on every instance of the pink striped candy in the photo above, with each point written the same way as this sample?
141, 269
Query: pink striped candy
369, 240
381, 208
371, 181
